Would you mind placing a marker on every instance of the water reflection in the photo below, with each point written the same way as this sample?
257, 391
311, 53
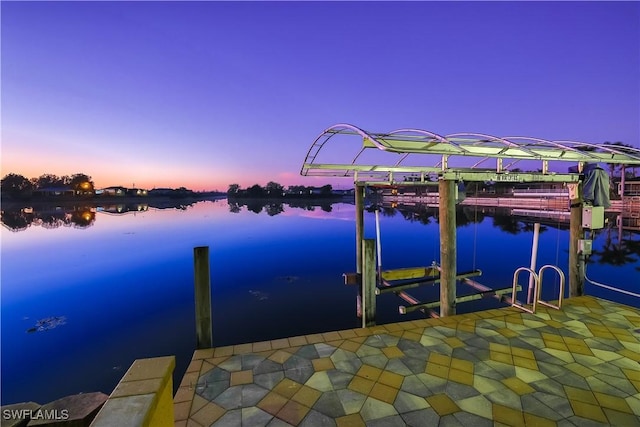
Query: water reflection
624, 249
621, 244
49, 217
123, 208
276, 207
619, 250
621, 234
20, 218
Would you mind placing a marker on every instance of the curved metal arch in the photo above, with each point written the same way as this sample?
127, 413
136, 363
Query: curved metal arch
401, 142
427, 133
432, 135
420, 131
438, 137
492, 138
376, 139
327, 134
353, 162
338, 129
555, 144
608, 148
621, 148
485, 138
362, 150
624, 151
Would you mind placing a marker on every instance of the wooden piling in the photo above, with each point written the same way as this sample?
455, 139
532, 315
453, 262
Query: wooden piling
447, 217
576, 260
359, 239
359, 226
204, 333
368, 283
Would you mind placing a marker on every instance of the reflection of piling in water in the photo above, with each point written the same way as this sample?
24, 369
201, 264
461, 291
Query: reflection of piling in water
368, 283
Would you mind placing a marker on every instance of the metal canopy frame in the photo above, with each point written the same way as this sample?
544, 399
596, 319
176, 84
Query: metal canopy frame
414, 142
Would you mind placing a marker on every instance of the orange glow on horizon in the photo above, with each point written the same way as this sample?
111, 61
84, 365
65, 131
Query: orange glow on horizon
103, 179
107, 171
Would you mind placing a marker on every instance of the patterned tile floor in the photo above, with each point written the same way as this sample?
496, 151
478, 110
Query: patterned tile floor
579, 366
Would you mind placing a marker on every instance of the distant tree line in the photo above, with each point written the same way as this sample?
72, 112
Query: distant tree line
278, 191
17, 186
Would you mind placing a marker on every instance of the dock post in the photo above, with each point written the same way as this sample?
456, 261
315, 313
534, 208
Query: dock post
359, 225
204, 333
576, 260
369, 283
359, 239
447, 217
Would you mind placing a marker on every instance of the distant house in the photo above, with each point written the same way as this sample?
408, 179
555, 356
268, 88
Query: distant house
136, 192
122, 208
53, 192
114, 191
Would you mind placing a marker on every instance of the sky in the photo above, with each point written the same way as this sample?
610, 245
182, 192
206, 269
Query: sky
205, 94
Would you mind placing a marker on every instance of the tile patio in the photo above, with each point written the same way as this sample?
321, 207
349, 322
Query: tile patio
579, 366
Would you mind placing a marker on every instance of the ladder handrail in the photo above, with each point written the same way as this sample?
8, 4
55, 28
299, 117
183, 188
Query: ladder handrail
536, 282
539, 287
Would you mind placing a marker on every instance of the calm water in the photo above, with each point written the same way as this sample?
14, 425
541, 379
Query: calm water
86, 293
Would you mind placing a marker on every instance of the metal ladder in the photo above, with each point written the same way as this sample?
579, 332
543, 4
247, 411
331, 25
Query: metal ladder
537, 282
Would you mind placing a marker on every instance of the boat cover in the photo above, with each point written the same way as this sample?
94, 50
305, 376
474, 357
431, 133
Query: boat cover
596, 186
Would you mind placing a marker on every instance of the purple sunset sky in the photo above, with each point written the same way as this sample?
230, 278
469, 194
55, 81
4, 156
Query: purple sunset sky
203, 94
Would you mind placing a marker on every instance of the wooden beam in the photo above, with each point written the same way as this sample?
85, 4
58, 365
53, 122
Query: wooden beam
470, 175
395, 274
409, 273
422, 282
447, 218
466, 298
411, 300
482, 288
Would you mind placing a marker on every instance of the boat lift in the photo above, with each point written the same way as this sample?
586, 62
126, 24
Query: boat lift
451, 156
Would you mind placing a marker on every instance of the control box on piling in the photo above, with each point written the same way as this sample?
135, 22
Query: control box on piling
593, 217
